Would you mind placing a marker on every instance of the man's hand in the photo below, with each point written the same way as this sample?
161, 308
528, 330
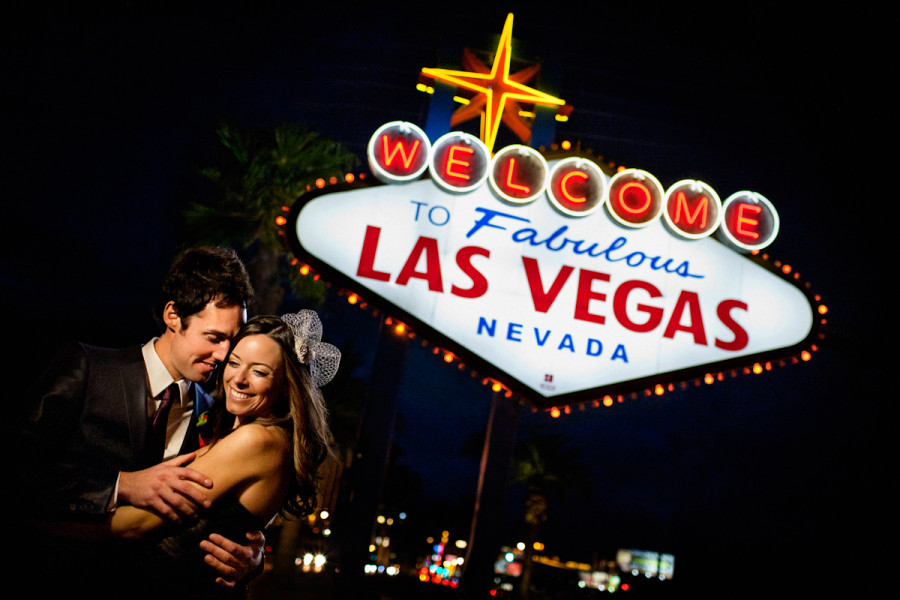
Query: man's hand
234, 562
166, 488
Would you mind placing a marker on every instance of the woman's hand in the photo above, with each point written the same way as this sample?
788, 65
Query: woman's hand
234, 562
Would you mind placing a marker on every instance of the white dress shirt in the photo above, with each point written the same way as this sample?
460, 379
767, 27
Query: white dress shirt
159, 378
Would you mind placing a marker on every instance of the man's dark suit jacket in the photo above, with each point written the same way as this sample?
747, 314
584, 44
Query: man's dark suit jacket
86, 422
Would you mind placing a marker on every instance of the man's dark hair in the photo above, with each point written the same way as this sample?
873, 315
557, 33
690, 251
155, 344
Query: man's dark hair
202, 275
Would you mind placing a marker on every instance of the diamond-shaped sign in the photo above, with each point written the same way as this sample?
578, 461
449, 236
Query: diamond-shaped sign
560, 308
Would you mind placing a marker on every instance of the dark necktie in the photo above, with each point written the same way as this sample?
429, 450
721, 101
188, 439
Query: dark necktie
161, 416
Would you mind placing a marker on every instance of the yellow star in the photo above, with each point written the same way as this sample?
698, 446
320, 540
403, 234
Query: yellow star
498, 91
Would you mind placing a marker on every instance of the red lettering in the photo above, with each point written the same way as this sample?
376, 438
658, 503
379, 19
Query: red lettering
564, 186
740, 334
631, 191
586, 279
750, 221
620, 306
543, 300
432, 274
743, 219
634, 197
479, 283
398, 152
701, 210
400, 147
453, 162
517, 187
690, 301
366, 267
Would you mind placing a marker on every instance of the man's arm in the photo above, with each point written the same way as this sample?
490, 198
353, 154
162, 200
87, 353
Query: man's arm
235, 563
166, 489
237, 460
52, 481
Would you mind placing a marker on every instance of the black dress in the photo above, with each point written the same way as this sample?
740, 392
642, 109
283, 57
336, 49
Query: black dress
171, 562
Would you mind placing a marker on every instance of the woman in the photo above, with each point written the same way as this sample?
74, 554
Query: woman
269, 436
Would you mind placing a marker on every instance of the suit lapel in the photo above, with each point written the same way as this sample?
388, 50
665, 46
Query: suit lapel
134, 392
202, 402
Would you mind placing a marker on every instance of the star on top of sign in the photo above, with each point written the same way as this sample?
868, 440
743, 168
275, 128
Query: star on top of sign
499, 92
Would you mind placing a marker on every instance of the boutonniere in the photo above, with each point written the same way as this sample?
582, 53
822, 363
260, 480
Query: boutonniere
202, 419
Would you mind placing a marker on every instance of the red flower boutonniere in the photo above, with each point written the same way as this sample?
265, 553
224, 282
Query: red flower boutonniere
201, 421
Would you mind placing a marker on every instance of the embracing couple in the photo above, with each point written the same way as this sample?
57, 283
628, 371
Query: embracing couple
135, 481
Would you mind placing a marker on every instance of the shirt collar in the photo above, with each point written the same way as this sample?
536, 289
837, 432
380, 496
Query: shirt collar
157, 373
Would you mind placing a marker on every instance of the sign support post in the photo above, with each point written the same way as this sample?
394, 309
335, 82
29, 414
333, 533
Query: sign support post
373, 451
496, 463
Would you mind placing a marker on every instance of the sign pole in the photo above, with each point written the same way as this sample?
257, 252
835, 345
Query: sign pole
496, 463
370, 464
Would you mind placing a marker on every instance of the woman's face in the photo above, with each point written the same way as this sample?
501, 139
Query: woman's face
253, 377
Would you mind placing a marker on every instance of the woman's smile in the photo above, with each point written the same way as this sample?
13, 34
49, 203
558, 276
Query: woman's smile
253, 377
238, 395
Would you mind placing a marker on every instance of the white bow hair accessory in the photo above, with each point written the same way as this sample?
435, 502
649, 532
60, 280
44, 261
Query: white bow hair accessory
323, 358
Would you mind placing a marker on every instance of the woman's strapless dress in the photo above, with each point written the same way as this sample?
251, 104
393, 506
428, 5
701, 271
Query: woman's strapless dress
171, 561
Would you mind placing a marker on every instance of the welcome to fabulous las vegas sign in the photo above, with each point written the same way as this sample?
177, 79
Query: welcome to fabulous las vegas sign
560, 281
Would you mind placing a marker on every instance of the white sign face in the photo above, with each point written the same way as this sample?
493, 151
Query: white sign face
565, 307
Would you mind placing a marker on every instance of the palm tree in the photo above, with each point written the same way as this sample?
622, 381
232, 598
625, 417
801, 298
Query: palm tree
264, 173
545, 467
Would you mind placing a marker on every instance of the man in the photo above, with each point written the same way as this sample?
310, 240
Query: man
87, 442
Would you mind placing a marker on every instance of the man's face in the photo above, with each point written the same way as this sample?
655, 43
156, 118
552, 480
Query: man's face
201, 341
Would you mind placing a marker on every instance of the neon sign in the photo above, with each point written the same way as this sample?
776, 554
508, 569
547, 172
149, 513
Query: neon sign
692, 209
635, 198
577, 187
750, 220
560, 281
459, 162
518, 174
400, 152
498, 91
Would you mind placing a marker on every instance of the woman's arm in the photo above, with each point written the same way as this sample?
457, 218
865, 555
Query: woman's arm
248, 462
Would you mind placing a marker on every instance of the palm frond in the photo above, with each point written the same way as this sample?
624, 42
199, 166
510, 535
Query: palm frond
263, 172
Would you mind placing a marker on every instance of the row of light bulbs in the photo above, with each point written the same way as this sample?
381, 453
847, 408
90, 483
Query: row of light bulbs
401, 329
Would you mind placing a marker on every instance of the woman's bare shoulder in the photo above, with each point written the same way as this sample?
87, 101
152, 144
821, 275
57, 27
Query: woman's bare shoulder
256, 438
248, 444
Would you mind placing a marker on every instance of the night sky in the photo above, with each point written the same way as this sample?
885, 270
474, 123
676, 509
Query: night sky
109, 115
